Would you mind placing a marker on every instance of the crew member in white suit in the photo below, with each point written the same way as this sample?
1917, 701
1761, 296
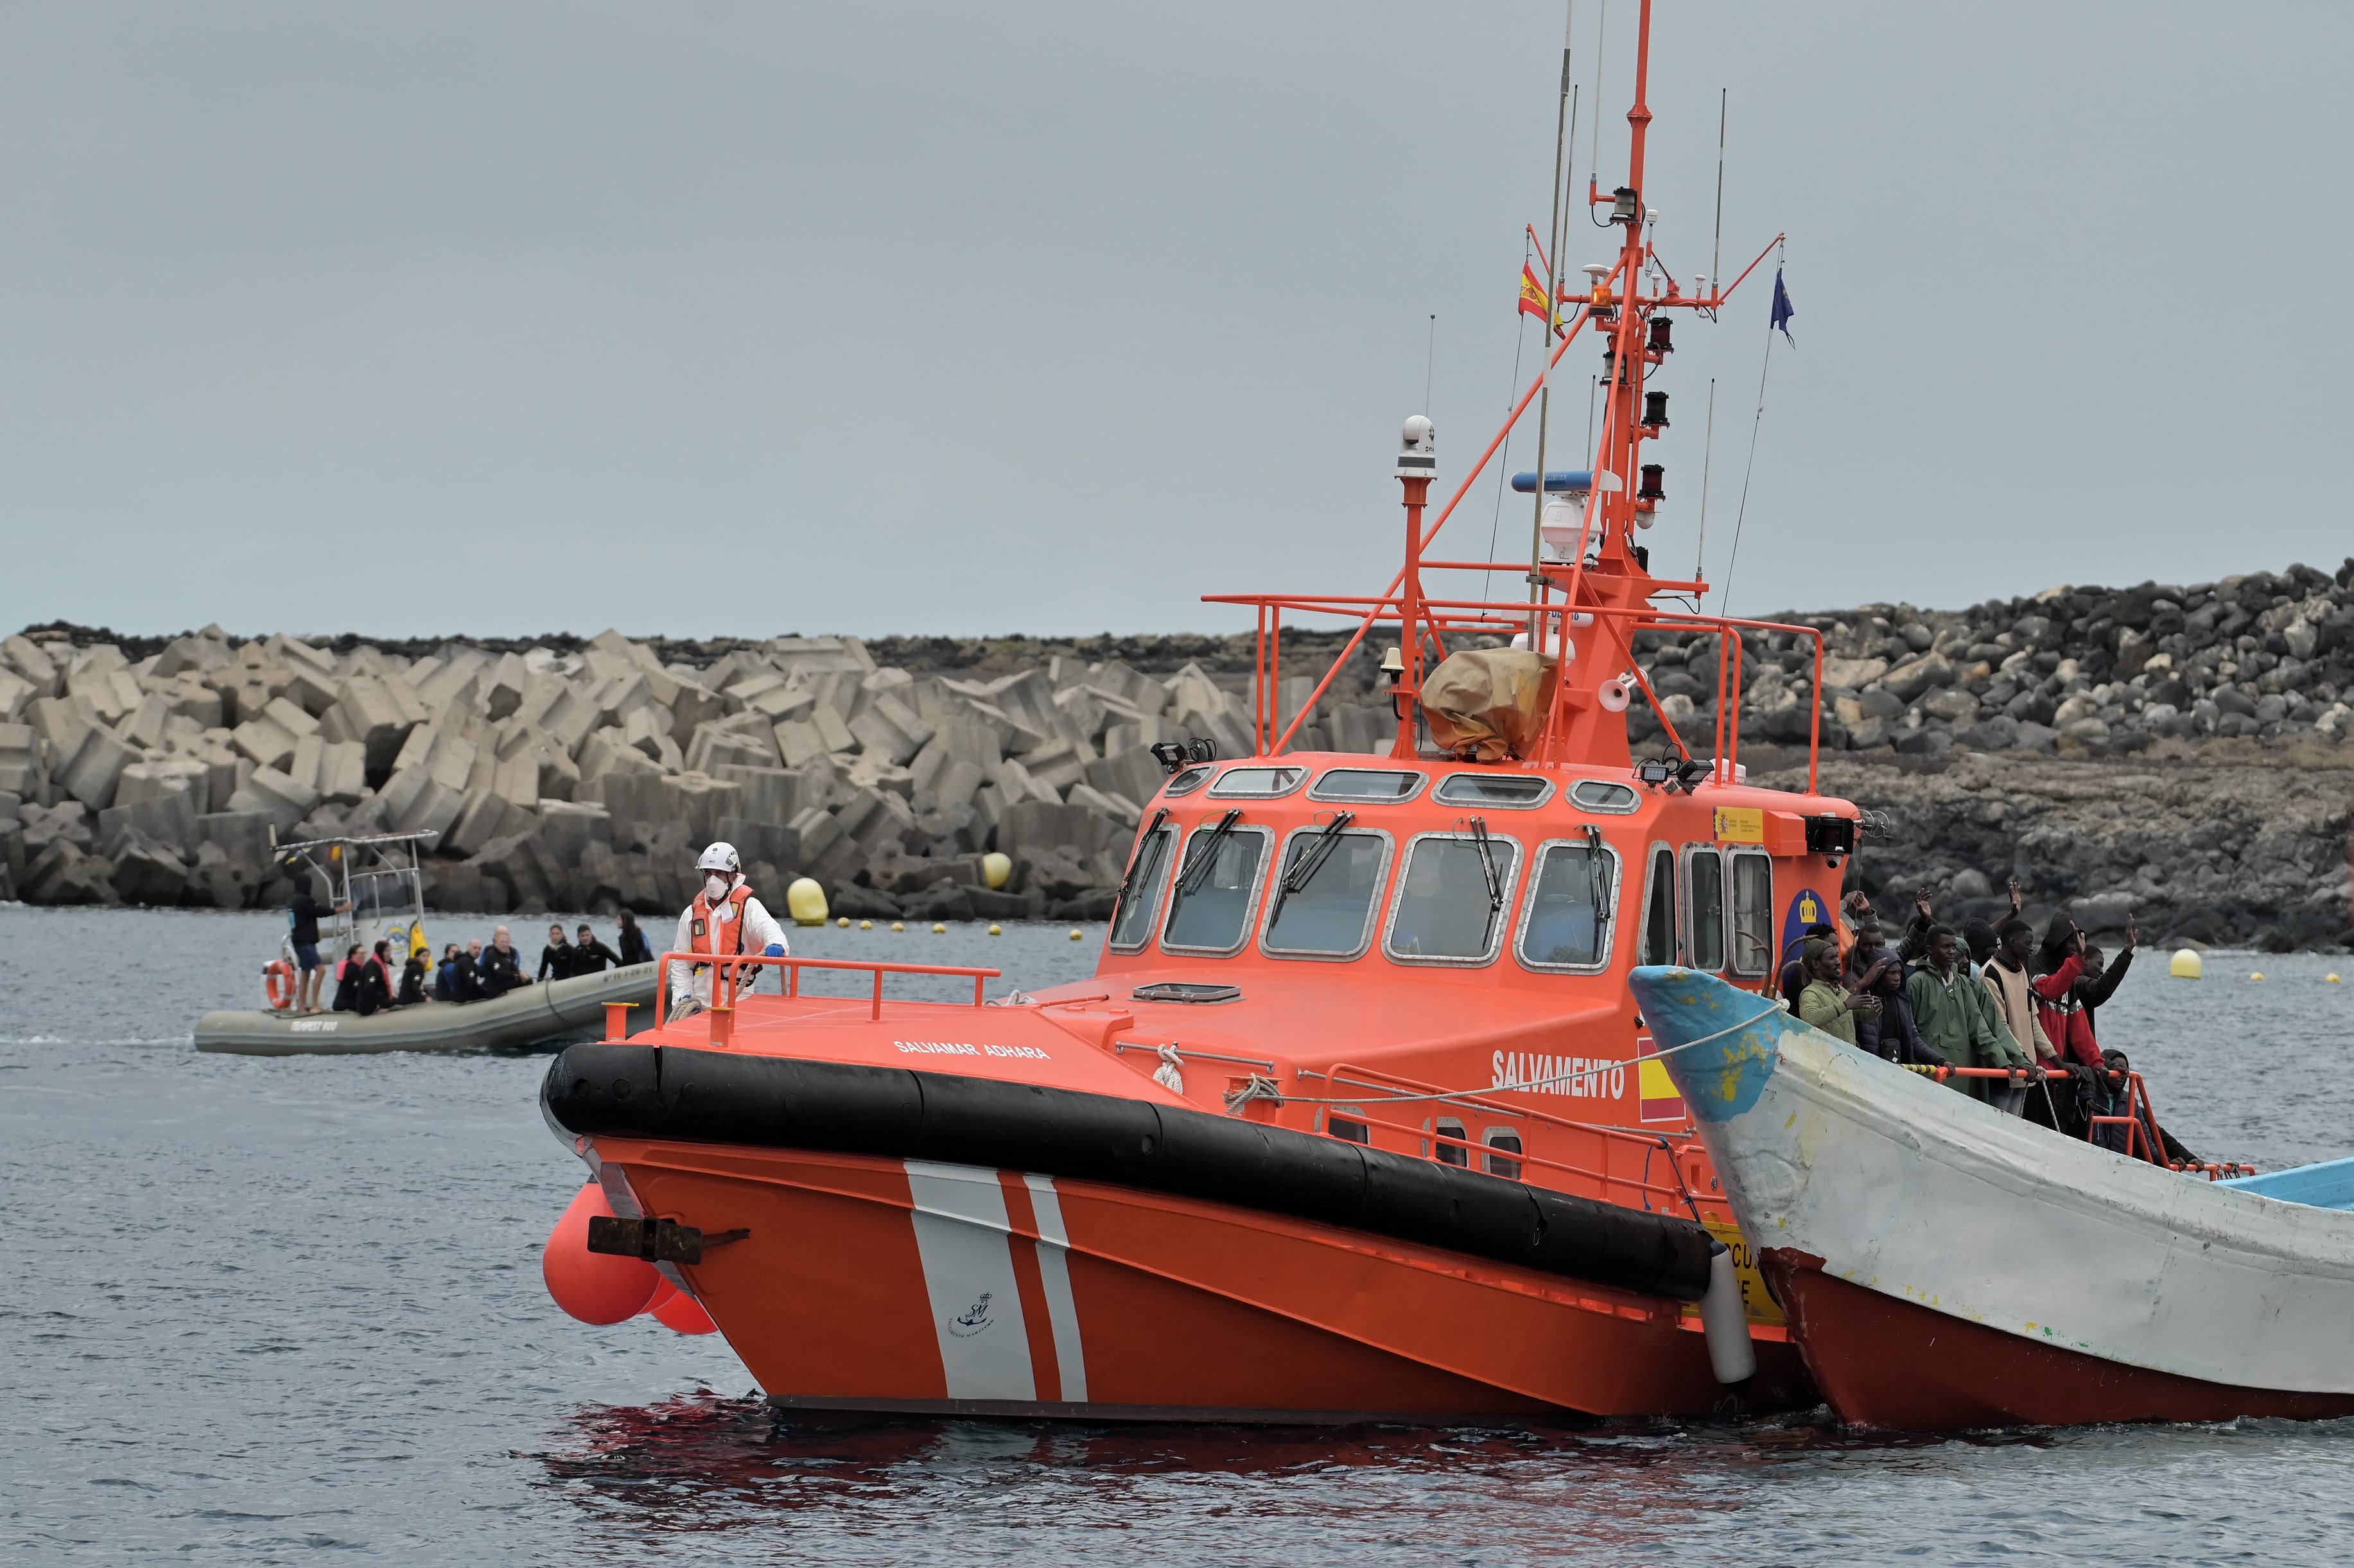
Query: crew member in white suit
724, 920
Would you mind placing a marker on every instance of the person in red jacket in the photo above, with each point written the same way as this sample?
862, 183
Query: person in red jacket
2070, 986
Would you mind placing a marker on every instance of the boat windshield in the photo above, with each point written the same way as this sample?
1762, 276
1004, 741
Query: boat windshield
1448, 903
1326, 905
1568, 911
1139, 899
1210, 908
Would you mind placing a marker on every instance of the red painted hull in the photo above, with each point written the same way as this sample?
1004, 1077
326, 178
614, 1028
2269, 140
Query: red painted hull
1883, 1363
1172, 1309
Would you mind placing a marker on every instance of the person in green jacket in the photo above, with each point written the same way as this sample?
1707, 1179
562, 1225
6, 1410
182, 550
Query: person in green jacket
1825, 1003
1956, 1016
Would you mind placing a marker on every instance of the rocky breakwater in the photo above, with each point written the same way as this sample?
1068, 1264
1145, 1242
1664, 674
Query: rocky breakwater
2241, 853
587, 775
2089, 672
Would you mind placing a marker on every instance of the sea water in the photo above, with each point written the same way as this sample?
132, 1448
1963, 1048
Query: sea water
263, 1310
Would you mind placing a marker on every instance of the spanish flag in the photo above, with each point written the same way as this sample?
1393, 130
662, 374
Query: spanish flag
1533, 295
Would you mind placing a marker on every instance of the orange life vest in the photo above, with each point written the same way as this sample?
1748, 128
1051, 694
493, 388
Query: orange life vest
699, 929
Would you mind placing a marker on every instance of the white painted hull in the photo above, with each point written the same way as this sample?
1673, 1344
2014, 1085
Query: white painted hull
1982, 1236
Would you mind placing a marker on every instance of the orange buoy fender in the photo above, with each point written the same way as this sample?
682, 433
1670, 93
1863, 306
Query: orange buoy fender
676, 1310
278, 983
593, 1287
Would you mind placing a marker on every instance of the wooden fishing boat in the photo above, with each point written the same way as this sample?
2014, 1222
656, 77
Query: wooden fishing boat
1354, 1119
1946, 1267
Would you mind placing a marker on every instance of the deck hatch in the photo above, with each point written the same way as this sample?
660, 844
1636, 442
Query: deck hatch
1186, 991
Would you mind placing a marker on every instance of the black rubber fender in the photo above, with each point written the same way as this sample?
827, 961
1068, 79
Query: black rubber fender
680, 1094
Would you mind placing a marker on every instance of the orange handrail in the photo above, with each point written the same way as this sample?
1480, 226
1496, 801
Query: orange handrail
1610, 1136
731, 966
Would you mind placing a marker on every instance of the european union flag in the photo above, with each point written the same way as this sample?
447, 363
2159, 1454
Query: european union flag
1782, 309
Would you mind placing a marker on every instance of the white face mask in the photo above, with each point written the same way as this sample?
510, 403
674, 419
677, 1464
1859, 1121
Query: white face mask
715, 886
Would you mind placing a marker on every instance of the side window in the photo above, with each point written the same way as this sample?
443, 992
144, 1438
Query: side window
1566, 921
1216, 884
1503, 1140
1660, 908
1451, 898
1147, 874
1704, 907
1450, 1153
1753, 912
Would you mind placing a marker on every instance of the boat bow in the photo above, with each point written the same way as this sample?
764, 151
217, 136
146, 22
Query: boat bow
2036, 1277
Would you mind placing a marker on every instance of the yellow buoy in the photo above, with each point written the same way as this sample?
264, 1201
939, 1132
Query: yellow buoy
862, 924
997, 930
938, 929
2329, 980
844, 922
2257, 976
996, 869
805, 901
2186, 964
898, 925
1076, 933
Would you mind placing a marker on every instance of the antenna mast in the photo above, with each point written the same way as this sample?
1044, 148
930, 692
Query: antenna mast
1551, 309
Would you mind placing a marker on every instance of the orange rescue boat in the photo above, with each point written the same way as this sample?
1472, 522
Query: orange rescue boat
1355, 1119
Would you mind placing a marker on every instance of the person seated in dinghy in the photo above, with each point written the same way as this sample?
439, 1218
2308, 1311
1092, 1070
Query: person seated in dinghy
555, 959
591, 956
500, 969
724, 920
412, 979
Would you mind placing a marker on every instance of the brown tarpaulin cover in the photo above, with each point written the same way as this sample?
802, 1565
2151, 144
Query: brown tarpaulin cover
1489, 703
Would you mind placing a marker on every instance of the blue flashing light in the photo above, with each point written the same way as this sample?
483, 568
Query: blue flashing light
1558, 480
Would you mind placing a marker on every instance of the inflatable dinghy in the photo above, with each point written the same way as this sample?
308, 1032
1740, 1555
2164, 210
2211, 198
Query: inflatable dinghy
555, 1012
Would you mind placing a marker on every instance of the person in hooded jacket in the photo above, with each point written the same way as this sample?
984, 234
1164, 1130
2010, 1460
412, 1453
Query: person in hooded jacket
725, 920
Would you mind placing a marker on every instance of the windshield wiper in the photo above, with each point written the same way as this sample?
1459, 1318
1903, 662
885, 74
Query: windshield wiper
1197, 865
1597, 873
1146, 861
1477, 828
1311, 860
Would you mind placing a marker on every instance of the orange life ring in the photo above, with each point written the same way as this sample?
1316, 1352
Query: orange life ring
278, 983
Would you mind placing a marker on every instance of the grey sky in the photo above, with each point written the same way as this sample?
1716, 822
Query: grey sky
727, 317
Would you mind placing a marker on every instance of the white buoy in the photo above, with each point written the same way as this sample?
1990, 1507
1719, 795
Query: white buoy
2186, 964
1724, 1321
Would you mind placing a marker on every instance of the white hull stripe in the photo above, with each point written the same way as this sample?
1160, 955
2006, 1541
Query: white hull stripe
1055, 1269
962, 1239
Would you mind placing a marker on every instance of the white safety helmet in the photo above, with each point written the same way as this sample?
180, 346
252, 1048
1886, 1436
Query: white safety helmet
720, 856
